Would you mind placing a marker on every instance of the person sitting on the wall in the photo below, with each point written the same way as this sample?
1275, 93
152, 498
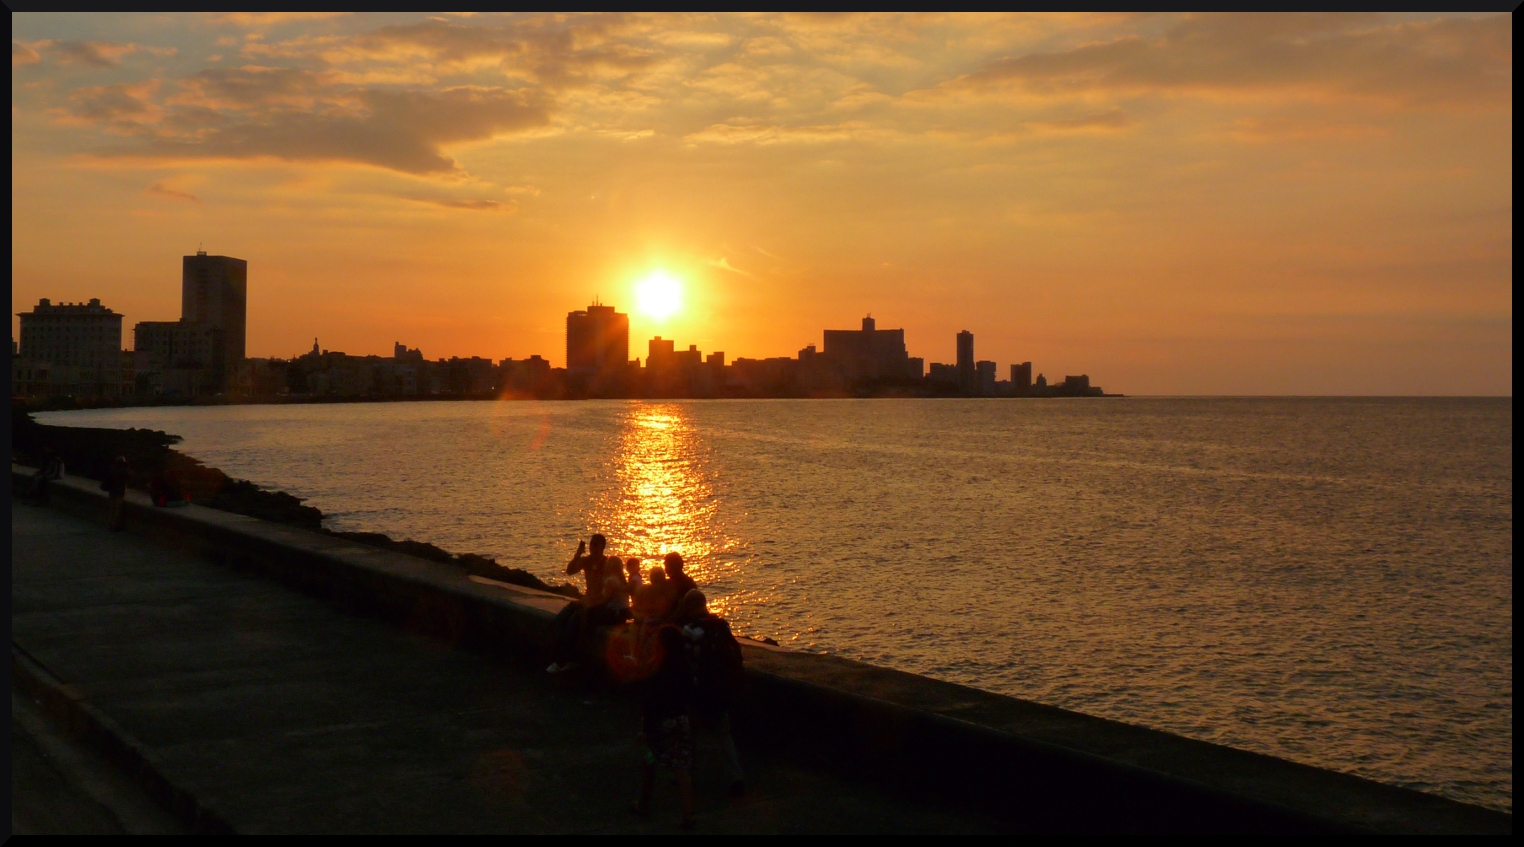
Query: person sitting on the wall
164, 488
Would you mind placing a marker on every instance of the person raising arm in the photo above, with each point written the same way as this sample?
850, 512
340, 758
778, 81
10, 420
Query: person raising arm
591, 566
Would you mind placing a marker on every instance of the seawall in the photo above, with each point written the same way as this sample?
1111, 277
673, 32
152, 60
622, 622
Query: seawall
1047, 767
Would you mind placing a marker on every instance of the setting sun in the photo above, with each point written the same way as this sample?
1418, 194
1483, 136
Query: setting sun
659, 295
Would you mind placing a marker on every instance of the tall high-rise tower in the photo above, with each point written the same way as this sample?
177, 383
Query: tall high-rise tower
968, 375
214, 291
597, 345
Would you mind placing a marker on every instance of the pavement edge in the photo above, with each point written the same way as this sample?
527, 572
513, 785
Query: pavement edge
88, 725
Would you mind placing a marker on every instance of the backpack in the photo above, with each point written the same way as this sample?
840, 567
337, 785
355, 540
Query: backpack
718, 667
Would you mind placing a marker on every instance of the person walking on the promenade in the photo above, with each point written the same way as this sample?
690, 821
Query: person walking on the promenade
714, 657
666, 729
115, 486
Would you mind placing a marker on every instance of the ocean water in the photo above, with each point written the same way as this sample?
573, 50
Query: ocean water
1325, 580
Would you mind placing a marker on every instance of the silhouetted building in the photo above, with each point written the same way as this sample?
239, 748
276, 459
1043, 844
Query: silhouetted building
660, 355
1042, 382
184, 358
985, 374
81, 335
597, 348
869, 354
214, 291
72, 349
403, 353
967, 377
531, 377
1021, 379
944, 374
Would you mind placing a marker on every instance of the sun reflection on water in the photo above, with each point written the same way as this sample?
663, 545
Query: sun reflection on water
664, 499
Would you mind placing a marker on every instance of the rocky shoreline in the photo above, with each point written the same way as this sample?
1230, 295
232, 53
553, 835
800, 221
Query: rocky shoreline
88, 451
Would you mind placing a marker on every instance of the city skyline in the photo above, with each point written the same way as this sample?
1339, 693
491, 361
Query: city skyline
1145, 197
74, 352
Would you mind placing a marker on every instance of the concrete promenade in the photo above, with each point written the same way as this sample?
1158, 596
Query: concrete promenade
253, 676
279, 713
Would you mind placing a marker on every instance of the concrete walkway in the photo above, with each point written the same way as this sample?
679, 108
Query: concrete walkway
281, 714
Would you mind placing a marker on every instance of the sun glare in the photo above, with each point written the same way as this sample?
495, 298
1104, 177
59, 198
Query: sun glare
659, 295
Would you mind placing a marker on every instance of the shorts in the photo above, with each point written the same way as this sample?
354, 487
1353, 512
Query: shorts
671, 741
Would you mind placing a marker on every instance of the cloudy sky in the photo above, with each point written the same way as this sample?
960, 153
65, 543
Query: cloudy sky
1201, 205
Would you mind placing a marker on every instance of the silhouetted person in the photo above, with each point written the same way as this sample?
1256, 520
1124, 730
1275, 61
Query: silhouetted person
571, 624
164, 489
632, 575
653, 600
50, 468
678, 583
115, 486
591, 565
666, 729
714, 657
650, 606
615, 607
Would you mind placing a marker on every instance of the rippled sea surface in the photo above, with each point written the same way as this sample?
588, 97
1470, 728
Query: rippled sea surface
1325, 580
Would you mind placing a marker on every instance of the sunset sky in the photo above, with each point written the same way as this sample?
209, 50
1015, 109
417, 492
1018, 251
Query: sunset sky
1173, 205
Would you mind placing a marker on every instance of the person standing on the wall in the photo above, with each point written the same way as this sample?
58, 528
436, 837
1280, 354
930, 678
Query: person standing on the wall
115, 486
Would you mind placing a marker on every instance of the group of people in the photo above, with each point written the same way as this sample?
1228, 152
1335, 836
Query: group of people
163, 487
50, 467
662, 637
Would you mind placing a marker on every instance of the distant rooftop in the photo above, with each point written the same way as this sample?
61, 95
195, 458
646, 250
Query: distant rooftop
46, 306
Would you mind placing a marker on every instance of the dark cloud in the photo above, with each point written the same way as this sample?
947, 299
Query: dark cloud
250, 86
551, 49
1445, 61
122, 108
470, 205
402, 131
162, 190
89, 53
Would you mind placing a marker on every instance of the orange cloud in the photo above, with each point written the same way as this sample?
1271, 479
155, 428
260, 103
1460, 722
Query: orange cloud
1052, 183
1304, 56
24, 54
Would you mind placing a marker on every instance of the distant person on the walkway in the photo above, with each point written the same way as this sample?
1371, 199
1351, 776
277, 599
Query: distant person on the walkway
666, 729
714, 658
115, 486
571, 624
50, 468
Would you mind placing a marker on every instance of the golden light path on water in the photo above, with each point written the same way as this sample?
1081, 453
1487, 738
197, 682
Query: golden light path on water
663, 499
